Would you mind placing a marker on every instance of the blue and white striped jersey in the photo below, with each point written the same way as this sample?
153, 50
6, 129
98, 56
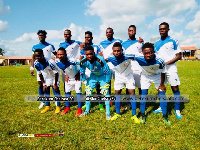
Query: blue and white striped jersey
106, 46
46, 47
96, 49
70, 68
98, 67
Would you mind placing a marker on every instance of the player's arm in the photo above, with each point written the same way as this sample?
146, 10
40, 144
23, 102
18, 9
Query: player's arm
55, 71
55, 86
82, 71
162, 83
177, 57
107, 71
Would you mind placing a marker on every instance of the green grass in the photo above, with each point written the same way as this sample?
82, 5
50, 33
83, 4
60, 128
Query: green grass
93, 131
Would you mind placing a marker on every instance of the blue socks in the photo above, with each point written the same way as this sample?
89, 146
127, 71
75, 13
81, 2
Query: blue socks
143, 101
177, 98
163, 102
78, 95
67, 103
133, 104
117, 103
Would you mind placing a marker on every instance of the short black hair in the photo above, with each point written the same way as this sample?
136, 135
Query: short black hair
132, 26
117, 44
148, 45
110, 29
62, 49
39, 51
89, 47
165, 23
42, 31
68, 30
88, 32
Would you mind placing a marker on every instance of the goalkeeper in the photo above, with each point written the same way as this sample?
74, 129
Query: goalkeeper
100, 72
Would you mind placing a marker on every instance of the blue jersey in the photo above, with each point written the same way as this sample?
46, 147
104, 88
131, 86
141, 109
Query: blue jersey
122, 65
167, 48
72, 49
46, 47
99, 67
70, 68
106, 46
96, 49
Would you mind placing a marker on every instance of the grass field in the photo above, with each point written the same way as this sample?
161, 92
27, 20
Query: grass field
94, 131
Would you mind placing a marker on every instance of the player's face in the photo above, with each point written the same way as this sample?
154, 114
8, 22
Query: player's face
163, 29
61, 55
38, 56
148, 53
89, 55
131, 32
109, 33
41, 37
117, 52
88, 39
67, 35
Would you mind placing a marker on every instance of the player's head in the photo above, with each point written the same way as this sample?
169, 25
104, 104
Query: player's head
132, 31
109, 33
148, 51
67, 35
89, 53
164, 29
117, 49
42, 34
38, 55
88, 37
61, 54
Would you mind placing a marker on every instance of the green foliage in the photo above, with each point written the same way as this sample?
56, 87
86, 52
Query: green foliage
94, 131
2, 51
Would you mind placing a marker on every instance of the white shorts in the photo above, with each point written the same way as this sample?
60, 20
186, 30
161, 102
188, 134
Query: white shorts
51, 82
147, 80
172, 75
72, 84
137, 76
38, 77
120, 81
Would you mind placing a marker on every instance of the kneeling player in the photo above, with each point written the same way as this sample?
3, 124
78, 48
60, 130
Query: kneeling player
123, 75
100, 72
49, 75
71, 70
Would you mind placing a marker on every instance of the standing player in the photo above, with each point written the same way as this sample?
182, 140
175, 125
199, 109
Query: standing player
123, 75
100, 72
170, 50
49, 76
153, 71
72, 71
47, 50
133, 46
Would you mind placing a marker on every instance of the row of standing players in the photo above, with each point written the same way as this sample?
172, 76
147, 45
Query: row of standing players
146, 68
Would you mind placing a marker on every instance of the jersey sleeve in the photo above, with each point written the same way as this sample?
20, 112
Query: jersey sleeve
37, 67
98, 50
53, 48
107, 71
177, 47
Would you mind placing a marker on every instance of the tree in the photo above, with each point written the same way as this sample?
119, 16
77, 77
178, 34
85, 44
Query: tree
2, 51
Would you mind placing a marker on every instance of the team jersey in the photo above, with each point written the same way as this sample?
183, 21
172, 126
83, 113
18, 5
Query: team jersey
46, 47
167, 48
70, 68
152, 67
98, 67
133, 47
122, 65
48, 69
72, 49
96, 50
106, 47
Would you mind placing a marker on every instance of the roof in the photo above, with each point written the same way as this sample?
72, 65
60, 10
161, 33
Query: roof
17, 57
189, 48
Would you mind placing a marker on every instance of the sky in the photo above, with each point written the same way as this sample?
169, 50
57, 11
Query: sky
21, 19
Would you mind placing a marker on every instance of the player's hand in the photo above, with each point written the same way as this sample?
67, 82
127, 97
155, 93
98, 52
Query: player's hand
66, 78
32, 72
56, 88
77, 77
140, 40
44, 88
82, 45
161, 88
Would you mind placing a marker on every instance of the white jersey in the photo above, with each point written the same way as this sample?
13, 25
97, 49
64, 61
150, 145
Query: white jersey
70, 68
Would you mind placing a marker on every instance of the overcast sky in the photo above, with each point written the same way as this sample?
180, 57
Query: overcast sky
21, 19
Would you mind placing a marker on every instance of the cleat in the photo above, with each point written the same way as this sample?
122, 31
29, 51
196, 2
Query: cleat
57, 111
111, 103
166, 121
41, 105
79, 112
66, 110
143, 119
178, 114
115, 117
47, 108
83, 114
121, 107
159, 110
101, 107
136, 120
127, 107
107, 117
